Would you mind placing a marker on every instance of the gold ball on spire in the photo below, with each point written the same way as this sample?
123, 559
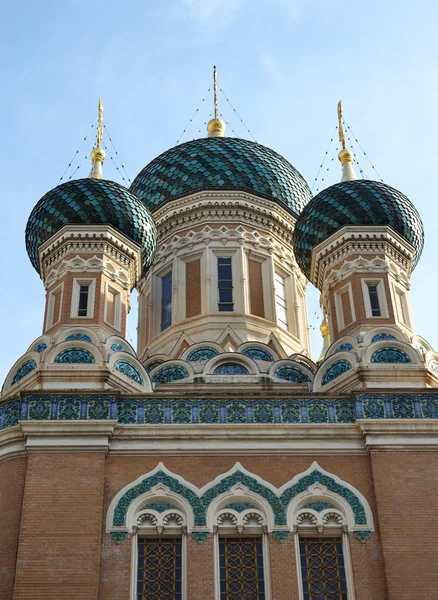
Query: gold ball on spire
345, 156
216, 128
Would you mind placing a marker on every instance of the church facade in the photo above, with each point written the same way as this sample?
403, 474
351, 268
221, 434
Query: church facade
217, 461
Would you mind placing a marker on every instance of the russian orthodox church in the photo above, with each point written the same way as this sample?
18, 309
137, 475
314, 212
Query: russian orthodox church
217, 460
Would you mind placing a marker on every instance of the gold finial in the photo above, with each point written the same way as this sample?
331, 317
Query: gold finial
99, 123
98, 154
345, 155
324, 328
215, 91
341, 125
215, 127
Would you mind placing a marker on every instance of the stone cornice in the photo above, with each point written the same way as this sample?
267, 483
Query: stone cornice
224, 207
399, 434
91, 265
90, 240
353, 241
79, 436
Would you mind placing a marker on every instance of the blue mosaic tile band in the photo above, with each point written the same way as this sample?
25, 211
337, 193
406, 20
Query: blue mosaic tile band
155, 411
291, 374
221, 164
390, 355
82, 337
359, 202
152, 365
75, 355
169, 374
335, 370
24, 370
116, 347
128, 370
231, 369
202, 353
91, 202
344, 348
257, 353
41, 347
382, 336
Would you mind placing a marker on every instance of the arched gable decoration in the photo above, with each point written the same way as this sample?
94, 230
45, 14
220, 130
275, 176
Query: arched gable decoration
311, 484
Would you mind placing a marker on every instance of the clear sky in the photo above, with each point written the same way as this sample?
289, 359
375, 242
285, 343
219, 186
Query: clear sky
283, 64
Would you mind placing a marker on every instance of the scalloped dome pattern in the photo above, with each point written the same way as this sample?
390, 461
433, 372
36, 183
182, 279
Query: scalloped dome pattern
221, 164
359, 202
91, 202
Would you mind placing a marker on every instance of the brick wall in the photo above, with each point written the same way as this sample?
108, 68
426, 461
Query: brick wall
193, 288
12, 476
257, 306
60, 536
406, 485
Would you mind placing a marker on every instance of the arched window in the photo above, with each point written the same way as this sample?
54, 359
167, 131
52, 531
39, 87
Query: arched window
323, 553
231, 369
241, 550
159, 532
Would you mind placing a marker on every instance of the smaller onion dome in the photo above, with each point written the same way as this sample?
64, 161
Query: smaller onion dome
91, 202
356, 202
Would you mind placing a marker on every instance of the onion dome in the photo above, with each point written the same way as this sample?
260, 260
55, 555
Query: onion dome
91, 202
221, 163
355, 202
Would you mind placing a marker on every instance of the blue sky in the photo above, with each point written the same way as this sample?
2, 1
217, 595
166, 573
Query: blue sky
283, 64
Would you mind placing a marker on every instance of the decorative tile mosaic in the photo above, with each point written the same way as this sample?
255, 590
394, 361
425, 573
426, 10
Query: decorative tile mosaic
24, 370
359, 202
169, 374
75, 356
382, 336
130, 371
239, 506
118, 536
81, 337
202, 354
41, 347
318, 506
390, 355
91, 202
344, 348
117, 347
335, 370
200, 504
433, 365
281, 535
200, 536
221, 164
362, 536
152, 365
257, 353
291, 374
231, 369
160, 506
155, 411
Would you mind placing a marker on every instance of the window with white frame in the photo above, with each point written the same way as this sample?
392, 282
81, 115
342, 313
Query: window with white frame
241, 550
113, 307
159, 546
225, 284
322, 548
82, 304
280, 300
54, 306
345, 313
401, 304
374, 298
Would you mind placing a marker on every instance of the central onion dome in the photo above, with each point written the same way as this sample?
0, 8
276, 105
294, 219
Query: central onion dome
356, 202
221, 163
91, 202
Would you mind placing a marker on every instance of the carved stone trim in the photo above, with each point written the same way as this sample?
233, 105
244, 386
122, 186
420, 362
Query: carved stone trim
90, 265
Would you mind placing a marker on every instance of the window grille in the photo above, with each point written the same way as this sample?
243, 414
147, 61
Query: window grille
323, 569
241, 568
159, 569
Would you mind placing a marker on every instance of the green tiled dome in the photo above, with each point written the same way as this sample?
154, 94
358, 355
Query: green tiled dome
91, 202
359, 202
221, 164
